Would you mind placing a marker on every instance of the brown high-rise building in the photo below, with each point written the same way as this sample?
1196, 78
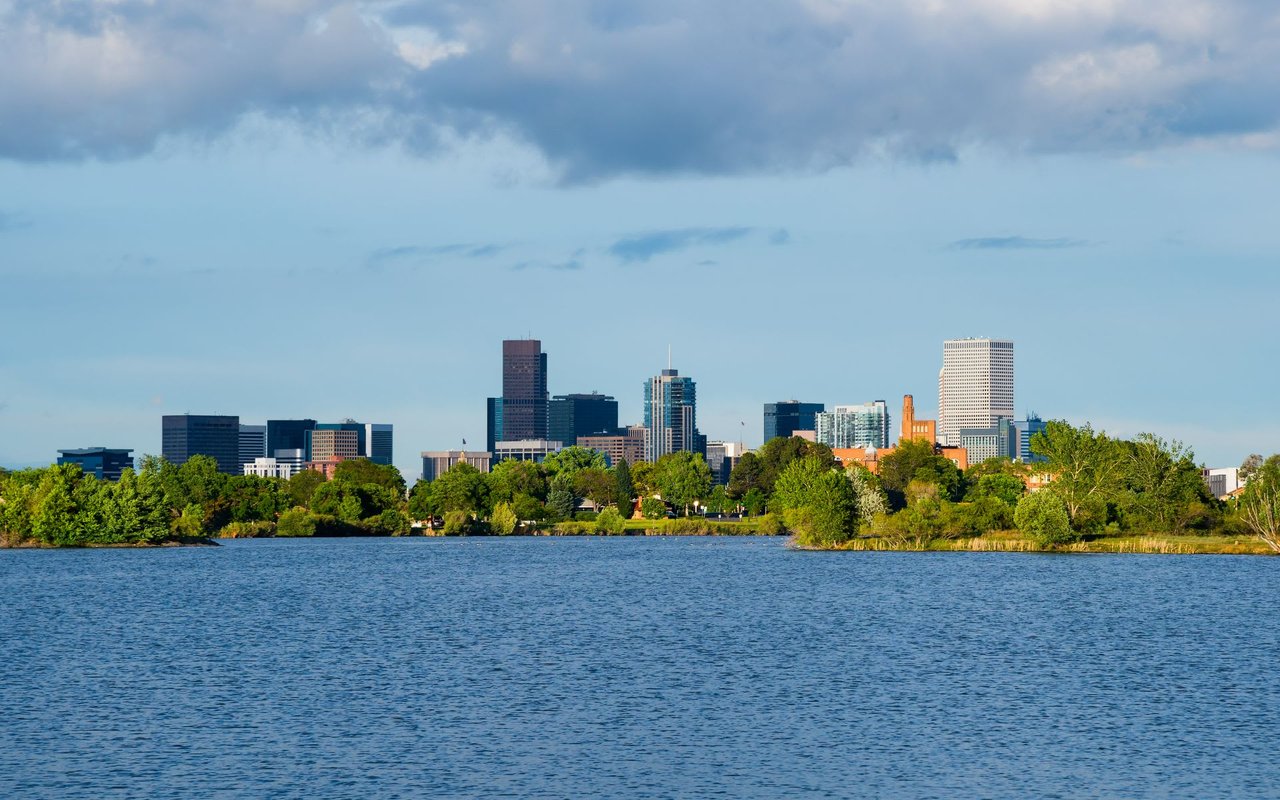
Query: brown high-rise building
524, 390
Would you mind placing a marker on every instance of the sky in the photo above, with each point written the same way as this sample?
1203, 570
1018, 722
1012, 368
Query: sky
302, 208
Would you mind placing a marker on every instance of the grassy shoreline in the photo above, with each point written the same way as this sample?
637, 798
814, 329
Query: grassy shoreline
1014, 542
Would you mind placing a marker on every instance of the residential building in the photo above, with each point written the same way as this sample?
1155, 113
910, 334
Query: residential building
786, 417
1026, 429
253, 443
437, 462
628, 446
104, 463
865, 425
270, 468
572, 416
493, 422
187, 435
670, 415
524, 390
975, 386
525, 450
287, 434
1222, 481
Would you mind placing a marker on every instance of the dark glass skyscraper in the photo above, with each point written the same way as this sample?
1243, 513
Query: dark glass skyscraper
288, 434
524, 390
103, 462
670, 416
187, 435
574, 415
493, 422
785, 418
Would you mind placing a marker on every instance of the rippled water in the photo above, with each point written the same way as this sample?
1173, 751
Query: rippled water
633, 668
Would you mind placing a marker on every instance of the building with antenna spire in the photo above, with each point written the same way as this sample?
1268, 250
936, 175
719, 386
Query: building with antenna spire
670, 415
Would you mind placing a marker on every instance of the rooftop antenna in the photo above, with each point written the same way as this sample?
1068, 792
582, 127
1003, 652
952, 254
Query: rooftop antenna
668, 356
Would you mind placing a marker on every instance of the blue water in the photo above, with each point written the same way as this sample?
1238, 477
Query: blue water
633, 668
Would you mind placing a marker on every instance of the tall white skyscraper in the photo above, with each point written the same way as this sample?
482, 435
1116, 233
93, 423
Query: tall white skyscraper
975, 387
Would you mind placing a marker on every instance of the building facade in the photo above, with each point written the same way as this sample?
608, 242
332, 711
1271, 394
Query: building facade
334, 444
253, 443
865, 425
916, 429
573, 416
104, 463
187, 435
288, 434
524, 390
786, 417
270, 468
671, 415
721, 458
998, 441
437, 462
492, 422
628, 446
975, 387
1026, 429
535, 450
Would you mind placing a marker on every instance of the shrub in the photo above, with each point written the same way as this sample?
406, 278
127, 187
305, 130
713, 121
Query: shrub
1043, 517
610, 523
457, 523
653, 508
771, 525
247, 530
296, 522
503, 520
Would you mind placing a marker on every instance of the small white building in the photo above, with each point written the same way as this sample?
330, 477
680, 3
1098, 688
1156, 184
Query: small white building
270, 468
1222, 481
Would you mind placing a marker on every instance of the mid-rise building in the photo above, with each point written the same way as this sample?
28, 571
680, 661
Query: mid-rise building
294, 458
865, 425
628, 446
975, 387
572, 416
493, 422
104, 463
437, 462
270, 468
187, 435
670, 415
786, 417
525, 450
287, 434
253, 443
373, 440
334, 444
1026, 429
524, 390
998, 441
721, 458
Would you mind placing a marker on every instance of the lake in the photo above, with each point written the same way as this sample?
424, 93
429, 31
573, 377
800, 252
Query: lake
633, 667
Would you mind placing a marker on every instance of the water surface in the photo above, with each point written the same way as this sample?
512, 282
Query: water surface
633, 667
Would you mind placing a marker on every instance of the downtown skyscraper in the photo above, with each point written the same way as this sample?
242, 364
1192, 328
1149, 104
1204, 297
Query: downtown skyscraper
670, 415
524, 390
975, 389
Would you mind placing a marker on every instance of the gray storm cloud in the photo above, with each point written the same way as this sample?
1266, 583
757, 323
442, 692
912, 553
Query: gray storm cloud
649, 87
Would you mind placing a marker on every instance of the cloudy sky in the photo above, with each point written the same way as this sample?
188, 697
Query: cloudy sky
280, 208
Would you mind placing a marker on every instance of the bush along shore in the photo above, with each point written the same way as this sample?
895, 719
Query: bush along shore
1090, 493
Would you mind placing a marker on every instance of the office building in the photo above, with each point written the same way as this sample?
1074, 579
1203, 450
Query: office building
104, 463
1026, 429
334, 444
373, 440
287, 434
437, 462
721, 458
628, 446
865, 425
670, 415
524, 390
572, 416
525, 450
253, 443
998, 441
187, 435
270, 468
788, 416
293, 458
493, 422
975, 387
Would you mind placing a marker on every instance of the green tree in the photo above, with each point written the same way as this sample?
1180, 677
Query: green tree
718, 501
747, 474
867, 493
572, 460
683, 478
561, 502
1043, 516
1085, 466
362, 471
423, 503
1259, 505
1165, 489
503, 520
303, 485
778, 453
754, 502
642, 478
461, 488
625, 490
597, 485
1002, 486
817, 502
512, 477
917, 460
653, 508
